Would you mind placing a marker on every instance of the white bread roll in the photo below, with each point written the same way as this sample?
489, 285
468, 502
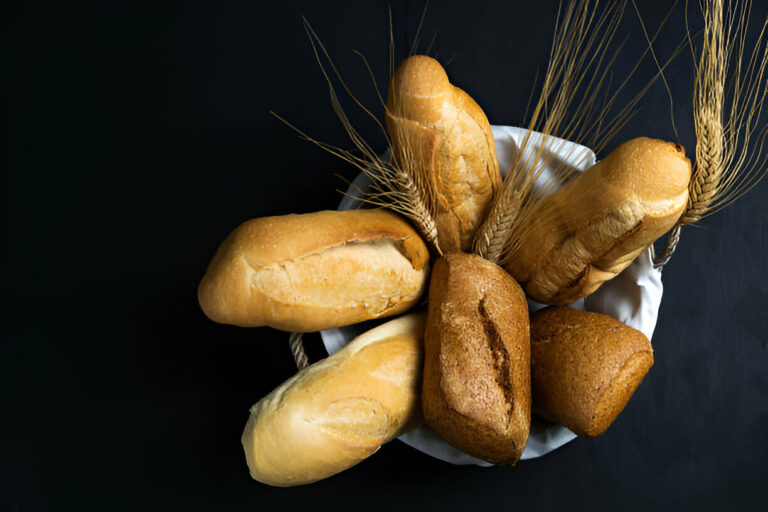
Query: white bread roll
593, 227
441, 127
335, 413
315, 271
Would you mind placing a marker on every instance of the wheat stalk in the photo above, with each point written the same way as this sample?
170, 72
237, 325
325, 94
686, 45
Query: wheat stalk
492, 237
709, 91
727, 162
730, 86
573, 105
397, 186
403, 187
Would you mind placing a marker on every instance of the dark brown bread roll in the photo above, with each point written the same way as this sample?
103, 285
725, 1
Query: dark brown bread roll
476, 392
585, 367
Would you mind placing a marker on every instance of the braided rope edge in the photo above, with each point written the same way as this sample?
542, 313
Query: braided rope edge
670, 244
297, 349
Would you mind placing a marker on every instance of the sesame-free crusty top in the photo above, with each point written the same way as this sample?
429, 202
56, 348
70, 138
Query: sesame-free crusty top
477, 393
315, 271
443, 132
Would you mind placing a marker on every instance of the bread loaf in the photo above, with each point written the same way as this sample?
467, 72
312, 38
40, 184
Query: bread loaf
335, 413
315, 271
437, 129
476, 392
595, 225
585, 367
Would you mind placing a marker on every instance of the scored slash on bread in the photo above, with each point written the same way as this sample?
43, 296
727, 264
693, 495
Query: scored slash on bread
456, 147
477, 392
338, 411
594, 226
309, 272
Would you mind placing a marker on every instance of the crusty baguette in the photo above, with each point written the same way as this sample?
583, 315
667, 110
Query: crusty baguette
595, 225
439, 125
335, 413
315, 271
477, 393
585, 367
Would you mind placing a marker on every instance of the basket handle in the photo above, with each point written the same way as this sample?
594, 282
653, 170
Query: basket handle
670, 244
297, 349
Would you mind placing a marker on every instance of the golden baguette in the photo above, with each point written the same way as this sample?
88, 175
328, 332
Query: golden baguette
336, 412
593, 227
315, 271
437, 129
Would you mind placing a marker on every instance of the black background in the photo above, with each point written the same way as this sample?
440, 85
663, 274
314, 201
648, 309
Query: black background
136, 136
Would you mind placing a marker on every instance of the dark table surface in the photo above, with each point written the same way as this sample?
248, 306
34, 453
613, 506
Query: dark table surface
138, 135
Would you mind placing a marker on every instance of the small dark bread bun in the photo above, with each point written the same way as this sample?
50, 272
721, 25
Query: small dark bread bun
585, 367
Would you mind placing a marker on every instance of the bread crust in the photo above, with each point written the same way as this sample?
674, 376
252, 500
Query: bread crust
594, 226
338, 411
456, 147
315, 271
585, 367
477, 359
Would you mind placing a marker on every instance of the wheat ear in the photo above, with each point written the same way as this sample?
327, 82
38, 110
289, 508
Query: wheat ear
579, 61
727, 109
393, 186
575, 103
730, 87
709, 90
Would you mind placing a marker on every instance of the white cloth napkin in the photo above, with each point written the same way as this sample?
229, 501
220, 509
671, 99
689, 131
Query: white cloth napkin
633, 297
